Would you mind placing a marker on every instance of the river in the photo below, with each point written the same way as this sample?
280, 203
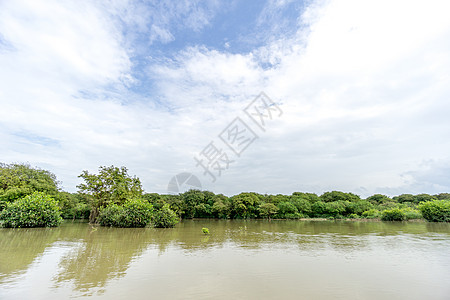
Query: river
239, 259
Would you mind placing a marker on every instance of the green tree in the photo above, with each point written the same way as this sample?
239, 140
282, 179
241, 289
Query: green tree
378, 199
404, 198
221, 207
35, 210
112, 185
245, 205
423, 198
191, 201
339, 196
267, 210
19, 180
287, 210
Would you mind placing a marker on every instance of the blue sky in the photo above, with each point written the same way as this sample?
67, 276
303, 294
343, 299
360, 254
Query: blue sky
363, 88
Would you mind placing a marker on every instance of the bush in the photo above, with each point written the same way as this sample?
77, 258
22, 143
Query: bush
35, 210
371, 214
436, 211
411, 213
133, 213
165, 217
394, 214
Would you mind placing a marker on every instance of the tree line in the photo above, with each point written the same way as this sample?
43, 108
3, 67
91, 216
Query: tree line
31, 197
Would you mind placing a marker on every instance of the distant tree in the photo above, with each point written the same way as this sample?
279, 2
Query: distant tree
423, 198
442, 196
191, 200
112, 185
221, 207
310, 197
245, 205
378, 199
19, 180
287, 210
267, 210
404, 198
339, 196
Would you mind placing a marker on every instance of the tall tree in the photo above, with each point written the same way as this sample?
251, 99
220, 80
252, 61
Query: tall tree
111, 185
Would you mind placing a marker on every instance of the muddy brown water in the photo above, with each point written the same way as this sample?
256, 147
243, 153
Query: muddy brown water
253, 259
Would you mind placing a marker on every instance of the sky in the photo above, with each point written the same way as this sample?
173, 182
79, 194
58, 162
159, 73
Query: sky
356, 93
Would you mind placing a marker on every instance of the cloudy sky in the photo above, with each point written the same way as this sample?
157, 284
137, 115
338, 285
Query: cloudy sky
363, 87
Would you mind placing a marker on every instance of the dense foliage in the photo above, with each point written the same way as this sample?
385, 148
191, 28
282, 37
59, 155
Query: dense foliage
436, 211
133, 213
112, 185
164, 217
35, 210
120, 201
394, 214
20, 180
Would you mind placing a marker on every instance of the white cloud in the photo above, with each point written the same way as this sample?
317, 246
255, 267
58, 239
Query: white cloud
360, 84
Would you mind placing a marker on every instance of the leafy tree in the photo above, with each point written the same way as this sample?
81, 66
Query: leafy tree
112, 185
191, 200
404, 198
35, 210
245, 205
378, 199
221, 207
303, 205
267, 210
19, 180
318, 209
339, 196
310, 197
442, 196
423, 198
287, 210
165, 217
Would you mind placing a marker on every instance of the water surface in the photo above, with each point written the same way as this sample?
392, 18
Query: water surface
239, 259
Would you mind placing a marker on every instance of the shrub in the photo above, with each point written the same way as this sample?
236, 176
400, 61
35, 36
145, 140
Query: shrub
133, 213
411, 213
35, 210
165, 217
111, 215
394, 214
436, 211
371, 214
359, 207
353, 216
